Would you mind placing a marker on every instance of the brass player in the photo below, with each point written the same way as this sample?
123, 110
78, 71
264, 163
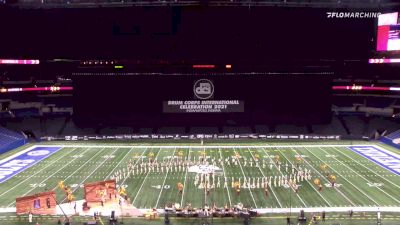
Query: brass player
180, 188
237, 188
207, 186
318, 183
238, 191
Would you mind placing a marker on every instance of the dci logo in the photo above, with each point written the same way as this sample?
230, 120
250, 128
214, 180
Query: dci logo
203, 89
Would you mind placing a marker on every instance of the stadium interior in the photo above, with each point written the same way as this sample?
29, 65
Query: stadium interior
200, 112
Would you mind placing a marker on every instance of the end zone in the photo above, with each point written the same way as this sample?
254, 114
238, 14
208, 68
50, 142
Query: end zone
384, 158
21, 161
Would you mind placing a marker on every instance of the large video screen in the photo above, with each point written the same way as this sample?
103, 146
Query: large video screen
203, 99
388, 32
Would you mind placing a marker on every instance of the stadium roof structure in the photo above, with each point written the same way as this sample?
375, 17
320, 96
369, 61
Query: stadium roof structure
250, 3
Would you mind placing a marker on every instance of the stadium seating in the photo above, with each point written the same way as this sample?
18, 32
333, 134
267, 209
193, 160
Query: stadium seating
388, 139
394, 135
10, 140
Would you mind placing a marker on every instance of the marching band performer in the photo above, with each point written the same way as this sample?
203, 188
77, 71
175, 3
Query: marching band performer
237, 188
180, 188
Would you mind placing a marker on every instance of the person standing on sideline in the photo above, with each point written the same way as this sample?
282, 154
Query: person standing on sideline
30, 218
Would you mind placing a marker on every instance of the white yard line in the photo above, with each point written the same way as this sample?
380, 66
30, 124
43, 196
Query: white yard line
165, 178
141, 186
345, 179
280, 205
368, 168
184, 182
304, 204
205, 188
226, 179
322, 176
70, 175
390, 196
120, 161
312, 186
241, 168
137, 161
17, 185
107, 158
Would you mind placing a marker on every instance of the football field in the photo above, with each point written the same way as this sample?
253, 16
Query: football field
272, 178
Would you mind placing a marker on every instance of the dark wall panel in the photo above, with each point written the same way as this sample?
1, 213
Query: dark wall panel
183, 33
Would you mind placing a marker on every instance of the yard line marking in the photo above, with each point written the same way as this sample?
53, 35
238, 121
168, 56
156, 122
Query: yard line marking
226, 179
241, 168
369, 169
340, 192
137, 161
165, 178
280, 205
120, 161
107, 158
141, 186
184, 183
367, 180
346, 179
51, 176
304, 204
70, 175
205, 187
312, 186
37, 172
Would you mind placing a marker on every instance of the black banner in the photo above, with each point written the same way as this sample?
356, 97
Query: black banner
190, 137
203, 106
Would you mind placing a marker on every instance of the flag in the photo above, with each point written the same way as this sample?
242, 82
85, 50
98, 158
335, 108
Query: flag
61, 184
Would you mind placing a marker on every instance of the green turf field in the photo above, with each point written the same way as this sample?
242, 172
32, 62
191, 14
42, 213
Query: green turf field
360, 182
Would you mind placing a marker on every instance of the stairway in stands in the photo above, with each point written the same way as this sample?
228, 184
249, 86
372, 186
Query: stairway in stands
10, 140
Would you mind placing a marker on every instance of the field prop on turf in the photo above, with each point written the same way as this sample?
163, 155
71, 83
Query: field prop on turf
100, 191
40, 203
